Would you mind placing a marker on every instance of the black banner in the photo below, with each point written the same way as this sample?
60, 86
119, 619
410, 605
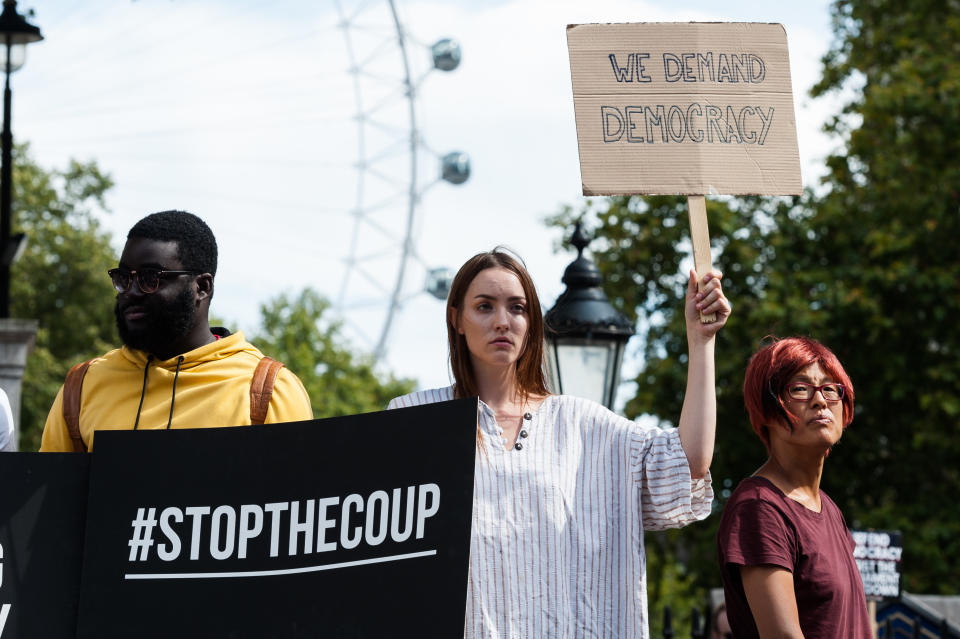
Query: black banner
43, 504
347, 527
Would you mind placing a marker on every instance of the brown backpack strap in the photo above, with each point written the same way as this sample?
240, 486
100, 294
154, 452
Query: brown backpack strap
261, 388
71, 403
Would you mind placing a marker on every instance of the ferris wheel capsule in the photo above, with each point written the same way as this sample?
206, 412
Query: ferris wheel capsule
439, 281
455, 167
446, 54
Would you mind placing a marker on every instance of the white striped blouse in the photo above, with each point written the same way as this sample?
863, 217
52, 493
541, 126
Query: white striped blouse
557, 542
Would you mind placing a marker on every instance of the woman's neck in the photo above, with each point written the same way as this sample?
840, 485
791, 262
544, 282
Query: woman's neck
498, 388
797, 476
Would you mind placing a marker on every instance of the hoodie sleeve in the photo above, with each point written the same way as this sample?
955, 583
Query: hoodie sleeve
289, 402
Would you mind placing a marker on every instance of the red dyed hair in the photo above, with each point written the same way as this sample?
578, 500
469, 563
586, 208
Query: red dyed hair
771, 369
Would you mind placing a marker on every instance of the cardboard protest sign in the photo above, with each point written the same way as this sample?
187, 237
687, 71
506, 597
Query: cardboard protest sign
43, 505
684, 108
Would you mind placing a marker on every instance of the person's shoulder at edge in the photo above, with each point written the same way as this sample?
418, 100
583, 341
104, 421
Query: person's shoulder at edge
7, 443
418, 398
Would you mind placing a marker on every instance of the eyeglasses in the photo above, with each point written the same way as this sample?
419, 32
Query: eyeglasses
148, 278
804, 392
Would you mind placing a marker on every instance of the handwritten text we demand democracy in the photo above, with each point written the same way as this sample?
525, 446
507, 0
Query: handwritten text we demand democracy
695, 121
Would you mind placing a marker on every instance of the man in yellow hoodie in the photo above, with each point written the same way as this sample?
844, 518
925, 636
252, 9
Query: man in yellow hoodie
174, 370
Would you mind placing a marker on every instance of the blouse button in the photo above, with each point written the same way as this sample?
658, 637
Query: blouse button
527, 416
518, 446
523, 433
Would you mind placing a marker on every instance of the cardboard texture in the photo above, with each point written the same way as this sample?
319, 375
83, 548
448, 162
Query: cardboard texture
684, 108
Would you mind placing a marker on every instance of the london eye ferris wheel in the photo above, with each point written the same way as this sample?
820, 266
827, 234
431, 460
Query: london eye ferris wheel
390, 179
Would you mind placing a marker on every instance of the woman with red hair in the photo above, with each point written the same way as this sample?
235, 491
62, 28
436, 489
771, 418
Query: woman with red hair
786, 556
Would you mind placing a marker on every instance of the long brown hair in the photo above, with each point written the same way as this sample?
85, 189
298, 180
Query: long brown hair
531, 379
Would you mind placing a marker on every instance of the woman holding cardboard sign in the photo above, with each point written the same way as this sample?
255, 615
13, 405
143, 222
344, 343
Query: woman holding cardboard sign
564, 488
786, 556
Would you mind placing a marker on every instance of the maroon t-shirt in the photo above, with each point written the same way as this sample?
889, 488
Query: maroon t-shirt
762, 526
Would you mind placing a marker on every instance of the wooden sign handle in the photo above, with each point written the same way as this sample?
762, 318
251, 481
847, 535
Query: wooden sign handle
700, 236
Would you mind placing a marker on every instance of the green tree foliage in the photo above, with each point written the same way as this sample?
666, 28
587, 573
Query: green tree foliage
895, 198
868, 265
339, 381
670, 584
60, 280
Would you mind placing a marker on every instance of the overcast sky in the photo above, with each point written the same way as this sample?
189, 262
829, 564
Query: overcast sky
244, 113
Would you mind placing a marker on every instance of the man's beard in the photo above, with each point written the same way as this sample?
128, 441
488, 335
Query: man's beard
162, 326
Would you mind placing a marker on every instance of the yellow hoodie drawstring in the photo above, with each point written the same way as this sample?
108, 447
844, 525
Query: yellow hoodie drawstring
173, 395
143, 390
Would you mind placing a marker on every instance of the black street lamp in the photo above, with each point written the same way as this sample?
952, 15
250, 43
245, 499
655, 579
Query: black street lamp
585, 334
17, 34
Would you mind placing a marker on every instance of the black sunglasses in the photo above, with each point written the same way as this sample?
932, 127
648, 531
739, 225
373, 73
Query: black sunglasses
148, 278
